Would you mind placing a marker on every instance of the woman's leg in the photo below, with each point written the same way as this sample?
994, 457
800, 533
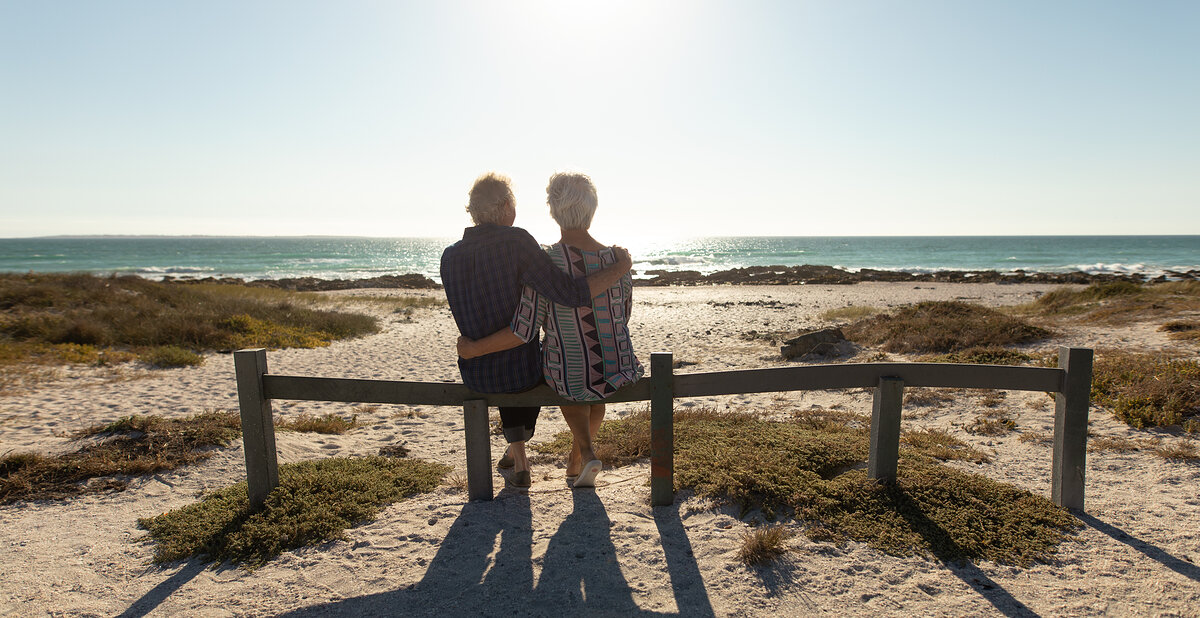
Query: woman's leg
575, 459
578, 420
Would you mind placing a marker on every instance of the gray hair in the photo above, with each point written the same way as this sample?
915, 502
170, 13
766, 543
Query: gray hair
572, 200
490, 193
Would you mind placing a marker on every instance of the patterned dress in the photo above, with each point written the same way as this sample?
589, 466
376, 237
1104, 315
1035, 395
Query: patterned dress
587, 354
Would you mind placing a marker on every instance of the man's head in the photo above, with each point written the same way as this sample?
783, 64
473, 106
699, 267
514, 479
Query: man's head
492, 200
572, 200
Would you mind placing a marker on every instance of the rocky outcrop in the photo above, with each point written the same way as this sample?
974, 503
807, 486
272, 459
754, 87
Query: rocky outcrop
808, 274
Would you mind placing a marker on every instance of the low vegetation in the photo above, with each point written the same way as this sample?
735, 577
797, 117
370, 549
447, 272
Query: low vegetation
316, 501
812, 466
763, 544
1147, 390
78, 318
1181, 329
991, 426
983, 355
1120, 301
327, 423
134, 445
942, 327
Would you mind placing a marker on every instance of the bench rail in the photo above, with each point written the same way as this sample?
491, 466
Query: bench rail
1070, 381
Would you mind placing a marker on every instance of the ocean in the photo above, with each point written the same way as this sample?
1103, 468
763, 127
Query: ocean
359, 257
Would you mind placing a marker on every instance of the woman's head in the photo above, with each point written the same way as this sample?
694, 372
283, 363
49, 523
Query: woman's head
572, 200
491, 199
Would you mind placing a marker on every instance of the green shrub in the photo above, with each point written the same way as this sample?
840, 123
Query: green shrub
133, 313
1147, 390
315, 502
812, 467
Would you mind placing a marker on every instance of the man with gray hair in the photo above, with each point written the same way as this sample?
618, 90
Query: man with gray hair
483, 275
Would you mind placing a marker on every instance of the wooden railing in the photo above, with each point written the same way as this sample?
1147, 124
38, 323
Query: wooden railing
1070, 381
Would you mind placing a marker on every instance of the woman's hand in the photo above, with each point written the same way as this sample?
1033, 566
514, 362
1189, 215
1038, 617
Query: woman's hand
623, 258
466, 347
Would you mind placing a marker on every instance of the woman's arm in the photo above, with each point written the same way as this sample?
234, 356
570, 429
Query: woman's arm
503, 339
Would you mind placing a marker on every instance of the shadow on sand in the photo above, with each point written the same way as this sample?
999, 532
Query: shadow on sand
580, 573
164, 589
944, 545
1182, 567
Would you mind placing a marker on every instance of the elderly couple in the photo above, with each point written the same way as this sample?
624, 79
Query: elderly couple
502, 288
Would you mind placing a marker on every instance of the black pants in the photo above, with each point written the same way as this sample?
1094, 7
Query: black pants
518, 422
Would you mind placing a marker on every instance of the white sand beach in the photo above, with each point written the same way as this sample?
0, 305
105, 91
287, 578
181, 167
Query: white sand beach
552, 551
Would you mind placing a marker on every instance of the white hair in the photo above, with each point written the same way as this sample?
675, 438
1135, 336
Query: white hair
572, 200
490, 193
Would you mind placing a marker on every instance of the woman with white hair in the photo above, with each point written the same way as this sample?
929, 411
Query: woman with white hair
587, 353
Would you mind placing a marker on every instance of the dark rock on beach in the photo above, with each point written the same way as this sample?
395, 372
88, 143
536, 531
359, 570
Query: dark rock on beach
808, 274
313, 284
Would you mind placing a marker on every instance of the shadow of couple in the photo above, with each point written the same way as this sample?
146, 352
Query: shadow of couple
580, 570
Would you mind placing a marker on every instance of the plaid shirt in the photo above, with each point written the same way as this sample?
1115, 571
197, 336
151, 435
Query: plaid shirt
483, 275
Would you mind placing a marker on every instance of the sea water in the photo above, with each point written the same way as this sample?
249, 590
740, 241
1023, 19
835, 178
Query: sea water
359, 257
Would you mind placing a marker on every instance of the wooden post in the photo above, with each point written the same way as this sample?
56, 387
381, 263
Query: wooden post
479, 449
885, 430
662, 430
258, 427
1070, 428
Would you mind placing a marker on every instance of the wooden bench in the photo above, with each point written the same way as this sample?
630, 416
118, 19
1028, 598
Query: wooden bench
1070, 382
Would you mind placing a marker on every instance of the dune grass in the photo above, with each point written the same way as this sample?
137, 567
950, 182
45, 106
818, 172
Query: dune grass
316, 501
763, 544
134, 445
79, 317
811, 466
1117, 302
942, 327
1147, 390
327, 423
983, 355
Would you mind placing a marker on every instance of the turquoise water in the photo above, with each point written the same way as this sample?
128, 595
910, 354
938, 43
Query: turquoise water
354, 258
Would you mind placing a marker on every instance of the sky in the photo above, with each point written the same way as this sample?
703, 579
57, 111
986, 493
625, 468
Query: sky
696, 118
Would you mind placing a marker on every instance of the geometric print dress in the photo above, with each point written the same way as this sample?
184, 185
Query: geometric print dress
587, 354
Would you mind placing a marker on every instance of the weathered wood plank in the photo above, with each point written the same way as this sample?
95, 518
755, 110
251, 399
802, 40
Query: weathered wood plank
258, 427
1068, 466
662, 431
350, 390
867, 375
811, 377
885, 430
479, 450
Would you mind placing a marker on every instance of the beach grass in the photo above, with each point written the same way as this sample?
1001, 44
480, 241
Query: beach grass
983, 355
86, 318
1147, 389
134, 445
1118, 302
326, 423
813, 469
943, 327
762, 544
315, 502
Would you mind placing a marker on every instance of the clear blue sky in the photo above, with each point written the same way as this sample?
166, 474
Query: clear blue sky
830, 117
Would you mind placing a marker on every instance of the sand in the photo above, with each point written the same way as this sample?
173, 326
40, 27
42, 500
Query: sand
551, 550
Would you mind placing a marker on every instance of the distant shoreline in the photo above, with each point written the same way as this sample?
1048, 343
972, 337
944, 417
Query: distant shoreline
753, 275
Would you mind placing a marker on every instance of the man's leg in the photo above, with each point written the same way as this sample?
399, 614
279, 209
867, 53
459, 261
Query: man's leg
518, 423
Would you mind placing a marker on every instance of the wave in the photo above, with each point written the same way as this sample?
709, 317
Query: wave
167, 270
673, 260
